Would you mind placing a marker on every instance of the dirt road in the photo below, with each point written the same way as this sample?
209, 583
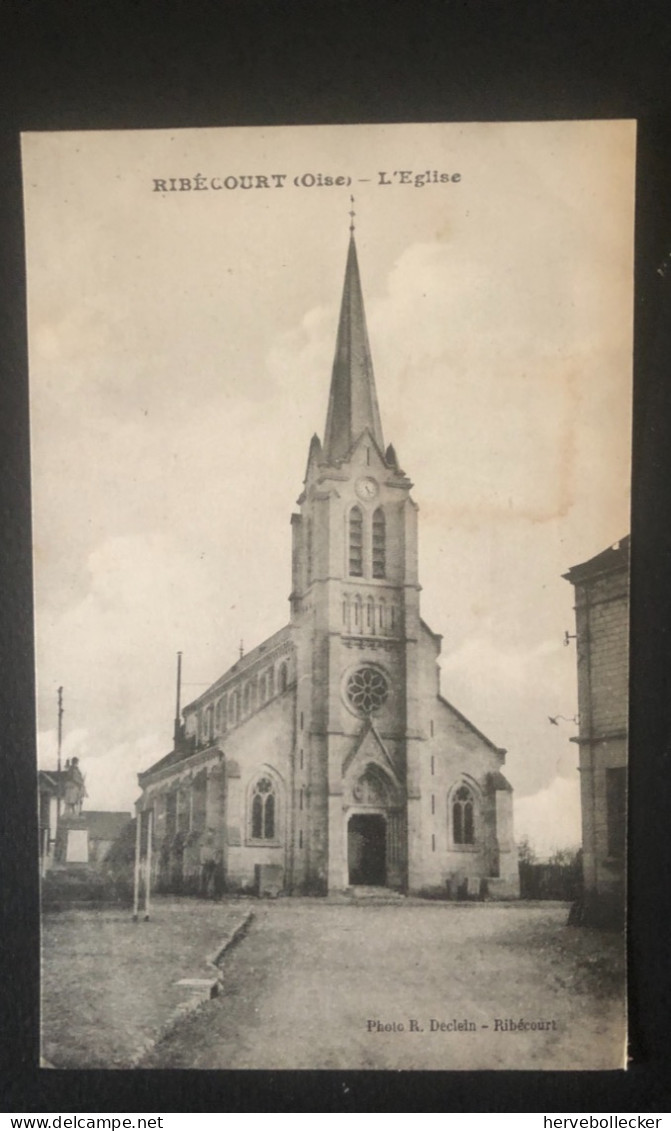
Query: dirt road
318, 985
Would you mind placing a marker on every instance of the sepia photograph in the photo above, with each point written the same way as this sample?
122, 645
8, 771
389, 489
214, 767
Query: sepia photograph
331, 459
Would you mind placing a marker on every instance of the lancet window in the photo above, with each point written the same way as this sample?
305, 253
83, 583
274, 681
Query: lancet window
308, 548
263, 813
463, 816
358, 613
234, 707
382, 615
356, 542
379, 559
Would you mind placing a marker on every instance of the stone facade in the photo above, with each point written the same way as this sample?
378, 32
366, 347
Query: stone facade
327, 757
602, 637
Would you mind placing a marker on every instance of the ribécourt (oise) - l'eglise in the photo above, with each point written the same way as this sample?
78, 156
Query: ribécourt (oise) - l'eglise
326, 757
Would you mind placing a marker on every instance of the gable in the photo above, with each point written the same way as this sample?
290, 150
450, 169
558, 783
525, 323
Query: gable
465, 724
368, 747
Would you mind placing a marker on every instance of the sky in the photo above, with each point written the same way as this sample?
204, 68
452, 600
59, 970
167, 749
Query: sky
180, 351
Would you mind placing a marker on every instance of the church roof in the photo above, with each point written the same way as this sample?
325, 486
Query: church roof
230, 677
244, 664
497, 781
170, 759
471, 726
353, 406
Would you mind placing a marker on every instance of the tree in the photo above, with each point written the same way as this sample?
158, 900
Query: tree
525, 853
566, 857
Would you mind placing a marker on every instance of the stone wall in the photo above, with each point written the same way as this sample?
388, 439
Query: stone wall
602, 637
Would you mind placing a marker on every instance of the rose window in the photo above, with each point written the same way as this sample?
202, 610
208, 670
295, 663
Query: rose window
367, 690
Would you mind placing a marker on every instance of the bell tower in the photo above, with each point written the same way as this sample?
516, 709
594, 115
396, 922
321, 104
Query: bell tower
355, 617
343, 764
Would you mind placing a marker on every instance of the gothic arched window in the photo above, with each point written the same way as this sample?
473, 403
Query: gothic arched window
234, 707
246, 698
379, 544
282, 678
308, 550
356, 542
463, 816
263, 812
358, 614
209, 722
263, 694
382, 614
370, 614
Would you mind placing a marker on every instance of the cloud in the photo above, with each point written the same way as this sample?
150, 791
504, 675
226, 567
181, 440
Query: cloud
180, 356
111, 779
551, 817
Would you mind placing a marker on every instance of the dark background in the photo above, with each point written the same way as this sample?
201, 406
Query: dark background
93, 65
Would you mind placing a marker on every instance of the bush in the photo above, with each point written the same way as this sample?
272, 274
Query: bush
84, 885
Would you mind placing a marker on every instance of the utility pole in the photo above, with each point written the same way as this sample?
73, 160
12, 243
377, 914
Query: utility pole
136, 869
178, 704
147, 865
58, 764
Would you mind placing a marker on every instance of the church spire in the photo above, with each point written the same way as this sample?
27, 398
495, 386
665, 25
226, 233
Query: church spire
352, 401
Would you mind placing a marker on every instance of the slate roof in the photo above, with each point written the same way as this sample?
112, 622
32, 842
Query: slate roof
104, 824
496, 780
239, 667
176, 756
48, 780
471, 726
613, 558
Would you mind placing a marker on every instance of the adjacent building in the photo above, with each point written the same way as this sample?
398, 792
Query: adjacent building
602, 636
68, 834
327, 757
49, 791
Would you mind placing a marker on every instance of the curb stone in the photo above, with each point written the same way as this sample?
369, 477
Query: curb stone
209, 988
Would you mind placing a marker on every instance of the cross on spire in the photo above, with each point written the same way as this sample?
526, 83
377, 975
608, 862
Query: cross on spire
352, 214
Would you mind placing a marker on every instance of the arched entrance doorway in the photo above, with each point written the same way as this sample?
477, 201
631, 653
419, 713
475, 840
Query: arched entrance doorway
367, 849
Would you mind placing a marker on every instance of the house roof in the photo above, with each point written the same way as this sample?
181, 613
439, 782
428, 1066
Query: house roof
48, 781
615, 557
103, 824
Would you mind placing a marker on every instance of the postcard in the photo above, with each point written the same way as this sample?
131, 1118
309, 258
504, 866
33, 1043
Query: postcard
330, 443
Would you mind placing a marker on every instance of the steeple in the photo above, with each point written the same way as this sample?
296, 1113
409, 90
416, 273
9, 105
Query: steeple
352, 400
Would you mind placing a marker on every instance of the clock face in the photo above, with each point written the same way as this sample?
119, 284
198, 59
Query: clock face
366, 488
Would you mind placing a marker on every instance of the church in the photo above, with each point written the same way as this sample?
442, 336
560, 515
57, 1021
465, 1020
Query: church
327, 759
